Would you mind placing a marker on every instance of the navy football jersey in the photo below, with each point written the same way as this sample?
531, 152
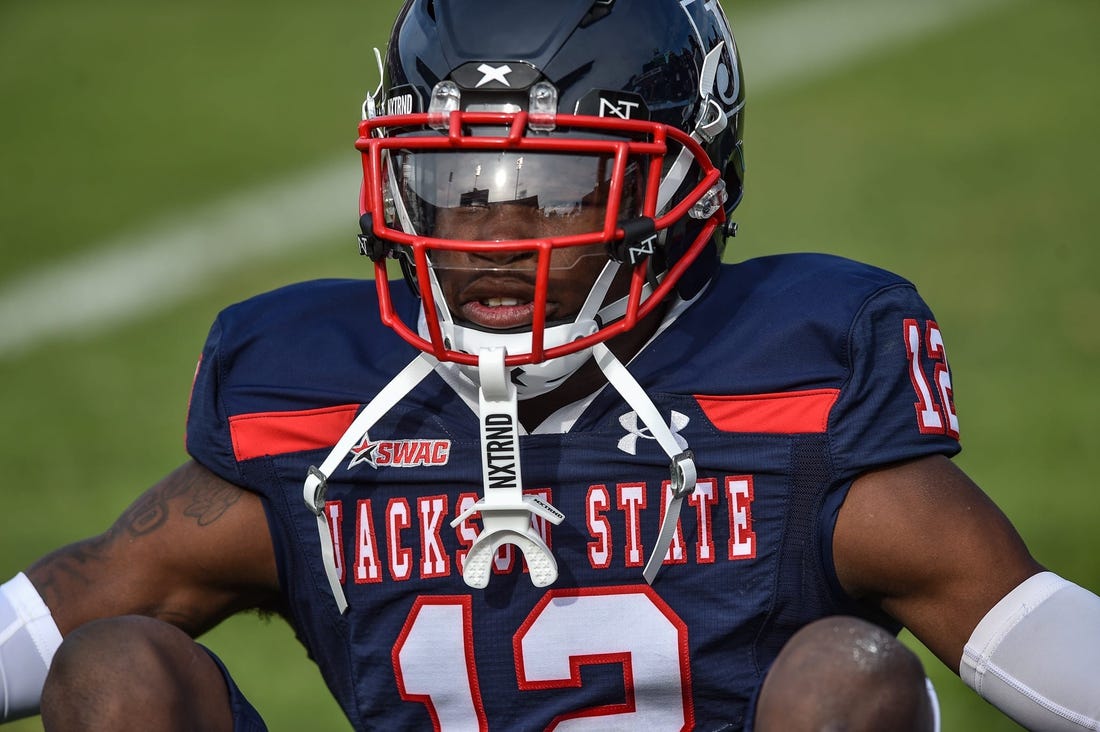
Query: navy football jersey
790, 377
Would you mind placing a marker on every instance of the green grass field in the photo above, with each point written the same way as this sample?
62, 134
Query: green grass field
964, 157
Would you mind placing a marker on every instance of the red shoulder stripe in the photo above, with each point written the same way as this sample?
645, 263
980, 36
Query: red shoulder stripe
782, 413
275, 433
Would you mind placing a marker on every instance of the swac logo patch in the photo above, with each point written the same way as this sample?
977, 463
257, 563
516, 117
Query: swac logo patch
400, 453
638, 431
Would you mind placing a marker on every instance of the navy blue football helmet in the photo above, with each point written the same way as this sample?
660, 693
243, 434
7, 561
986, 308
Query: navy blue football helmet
612, 127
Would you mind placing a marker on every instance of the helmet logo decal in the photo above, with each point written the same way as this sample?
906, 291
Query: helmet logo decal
494, 73
613, 103
629, 421
621, 108
645, 248
402, 99
402, 104
721, 77
498, 75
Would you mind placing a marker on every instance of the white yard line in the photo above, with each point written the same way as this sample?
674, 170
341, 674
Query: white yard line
795, 42
154, 268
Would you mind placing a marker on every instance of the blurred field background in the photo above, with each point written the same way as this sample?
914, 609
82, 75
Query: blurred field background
952, 141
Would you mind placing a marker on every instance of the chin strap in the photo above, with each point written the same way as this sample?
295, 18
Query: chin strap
506, 513
682, 465
316, 484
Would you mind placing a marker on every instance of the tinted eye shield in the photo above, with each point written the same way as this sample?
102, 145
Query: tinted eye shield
383, 137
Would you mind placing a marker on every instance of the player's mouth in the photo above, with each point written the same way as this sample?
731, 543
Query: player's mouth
498, 313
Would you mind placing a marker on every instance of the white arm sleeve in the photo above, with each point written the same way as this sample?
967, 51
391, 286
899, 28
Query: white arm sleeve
1036, 655
28, 639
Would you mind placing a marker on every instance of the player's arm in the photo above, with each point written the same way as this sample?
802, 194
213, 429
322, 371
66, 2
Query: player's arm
925, 544
191, 551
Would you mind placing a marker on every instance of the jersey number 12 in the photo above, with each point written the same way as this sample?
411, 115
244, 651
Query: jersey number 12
567, 629
935, 403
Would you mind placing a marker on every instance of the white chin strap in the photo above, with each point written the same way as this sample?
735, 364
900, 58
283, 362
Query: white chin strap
506, 513
682, 461
316, 484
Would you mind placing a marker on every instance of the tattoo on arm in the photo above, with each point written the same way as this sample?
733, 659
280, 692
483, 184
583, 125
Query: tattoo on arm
184, 492
206, 504
68, 567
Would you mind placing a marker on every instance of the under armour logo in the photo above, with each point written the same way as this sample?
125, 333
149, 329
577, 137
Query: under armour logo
494, 73
629, 421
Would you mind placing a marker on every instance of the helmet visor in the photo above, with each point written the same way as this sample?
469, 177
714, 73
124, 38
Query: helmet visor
493, 195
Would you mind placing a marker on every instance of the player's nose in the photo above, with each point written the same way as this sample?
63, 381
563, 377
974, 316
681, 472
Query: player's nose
505, 223
503, 258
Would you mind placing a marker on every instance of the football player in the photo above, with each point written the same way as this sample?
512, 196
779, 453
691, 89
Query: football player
578, 473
